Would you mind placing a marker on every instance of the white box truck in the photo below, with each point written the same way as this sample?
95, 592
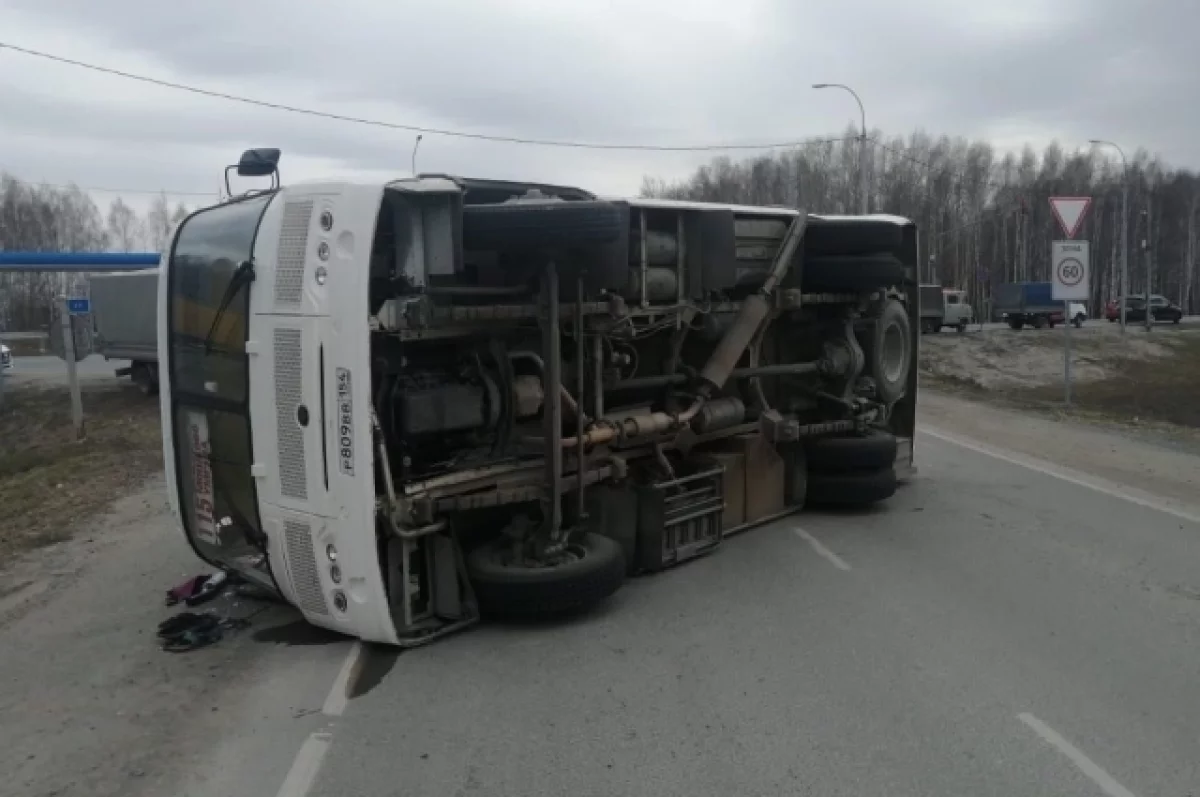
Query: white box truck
124, 307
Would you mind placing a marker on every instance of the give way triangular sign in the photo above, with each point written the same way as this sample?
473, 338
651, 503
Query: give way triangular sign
1069, 211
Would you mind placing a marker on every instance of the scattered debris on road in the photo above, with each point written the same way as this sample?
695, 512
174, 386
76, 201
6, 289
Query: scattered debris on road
191, 630
199, 589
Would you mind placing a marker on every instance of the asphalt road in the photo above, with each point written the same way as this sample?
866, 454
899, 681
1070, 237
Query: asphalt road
996, 630
53, 370
999, 628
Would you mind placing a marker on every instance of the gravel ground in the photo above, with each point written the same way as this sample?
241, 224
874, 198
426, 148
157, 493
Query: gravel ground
1138, 380
1005, 358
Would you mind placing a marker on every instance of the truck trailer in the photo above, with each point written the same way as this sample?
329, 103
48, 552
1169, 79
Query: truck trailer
403, 406
125, 323
1023, 304
933, 308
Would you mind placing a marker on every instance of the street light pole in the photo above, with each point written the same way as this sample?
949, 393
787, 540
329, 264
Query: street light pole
1124, 224
862, 143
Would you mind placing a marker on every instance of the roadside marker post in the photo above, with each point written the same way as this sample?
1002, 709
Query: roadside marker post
1070, 267
67, 308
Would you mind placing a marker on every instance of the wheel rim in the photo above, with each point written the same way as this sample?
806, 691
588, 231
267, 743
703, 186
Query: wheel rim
893, 353
502, 556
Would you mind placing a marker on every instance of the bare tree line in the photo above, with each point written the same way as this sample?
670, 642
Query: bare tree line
35, 218
984, 218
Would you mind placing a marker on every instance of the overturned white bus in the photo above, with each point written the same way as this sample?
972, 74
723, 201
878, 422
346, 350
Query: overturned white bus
406, 405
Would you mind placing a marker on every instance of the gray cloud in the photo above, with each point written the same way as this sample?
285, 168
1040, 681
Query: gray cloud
596, 70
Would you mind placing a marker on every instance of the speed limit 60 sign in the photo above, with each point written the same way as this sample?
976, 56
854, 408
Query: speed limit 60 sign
1070, 270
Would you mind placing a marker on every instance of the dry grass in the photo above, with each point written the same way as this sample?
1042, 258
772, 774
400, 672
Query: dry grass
1164, 390
1144, 386
51, 484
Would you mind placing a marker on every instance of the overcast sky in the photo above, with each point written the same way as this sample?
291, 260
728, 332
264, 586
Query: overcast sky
663, 72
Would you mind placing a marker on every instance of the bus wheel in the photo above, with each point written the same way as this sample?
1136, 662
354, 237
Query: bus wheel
589, 571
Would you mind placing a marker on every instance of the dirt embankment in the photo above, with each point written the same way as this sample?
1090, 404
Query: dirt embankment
1136, 378
49, 481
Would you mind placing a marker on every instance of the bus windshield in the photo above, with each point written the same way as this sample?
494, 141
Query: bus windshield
209, 385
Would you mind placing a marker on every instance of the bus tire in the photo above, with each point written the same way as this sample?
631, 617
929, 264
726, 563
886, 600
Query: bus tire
874, 450
518, 591
857, 488
889, 352
853, 236
540, 224
858, 273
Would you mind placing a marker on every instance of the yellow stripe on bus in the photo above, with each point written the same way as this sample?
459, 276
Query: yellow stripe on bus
195, 319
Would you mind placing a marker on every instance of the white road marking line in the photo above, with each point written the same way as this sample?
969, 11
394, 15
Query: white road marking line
305, 766
1131, 495
816, 545
1086, 765
338, 697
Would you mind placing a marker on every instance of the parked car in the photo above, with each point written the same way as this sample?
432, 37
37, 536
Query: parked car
1161, 309
5, 357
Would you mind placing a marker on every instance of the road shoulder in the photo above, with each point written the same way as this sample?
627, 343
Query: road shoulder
1146, 464
93, 706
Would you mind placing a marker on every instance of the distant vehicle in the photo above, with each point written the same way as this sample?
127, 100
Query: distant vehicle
1029, 303
5, 357
125, 323
959, 312
944, 307
1078, 312
1161, 309
933, 308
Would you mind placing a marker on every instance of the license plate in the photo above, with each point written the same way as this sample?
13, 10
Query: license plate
345, 420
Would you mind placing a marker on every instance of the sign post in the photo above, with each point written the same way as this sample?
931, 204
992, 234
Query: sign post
65, 311
1070, 267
